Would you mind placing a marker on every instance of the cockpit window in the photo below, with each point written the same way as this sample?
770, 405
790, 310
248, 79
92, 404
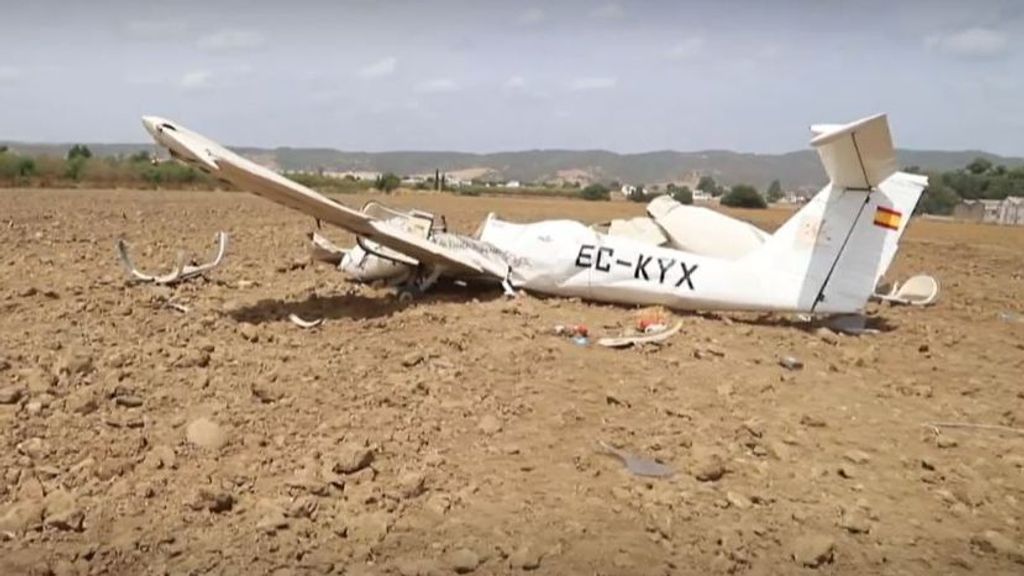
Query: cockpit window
167, 126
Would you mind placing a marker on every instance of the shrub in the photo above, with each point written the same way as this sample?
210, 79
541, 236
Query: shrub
595, 192
744, 196
387, 182
708, 185
683, 195
79, 151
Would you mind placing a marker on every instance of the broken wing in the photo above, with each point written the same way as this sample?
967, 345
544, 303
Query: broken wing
276, 188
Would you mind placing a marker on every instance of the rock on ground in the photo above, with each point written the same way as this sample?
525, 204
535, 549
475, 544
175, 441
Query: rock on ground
206, 434
813, 550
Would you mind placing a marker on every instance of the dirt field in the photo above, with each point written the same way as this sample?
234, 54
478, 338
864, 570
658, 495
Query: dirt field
457, 434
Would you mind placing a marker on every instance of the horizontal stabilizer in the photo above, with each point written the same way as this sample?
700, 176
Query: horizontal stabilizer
858, 155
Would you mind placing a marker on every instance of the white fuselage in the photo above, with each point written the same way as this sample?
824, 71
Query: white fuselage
567, 258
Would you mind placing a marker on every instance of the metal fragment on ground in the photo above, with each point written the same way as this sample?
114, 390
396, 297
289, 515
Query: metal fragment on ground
791, 363
303, 323
624, 341
177, 307
181, 271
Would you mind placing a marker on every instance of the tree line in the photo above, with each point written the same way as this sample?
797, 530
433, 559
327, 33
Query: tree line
978, 180
79, 167
738, 196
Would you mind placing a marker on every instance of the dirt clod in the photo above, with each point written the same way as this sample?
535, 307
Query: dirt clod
352, 457
11, 394
206, 433
524, 558
465, 561
813, 550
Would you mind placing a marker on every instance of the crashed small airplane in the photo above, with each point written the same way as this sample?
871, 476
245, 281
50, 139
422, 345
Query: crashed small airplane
827, 259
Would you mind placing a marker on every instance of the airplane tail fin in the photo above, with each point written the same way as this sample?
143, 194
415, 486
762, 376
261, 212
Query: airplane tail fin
835, 249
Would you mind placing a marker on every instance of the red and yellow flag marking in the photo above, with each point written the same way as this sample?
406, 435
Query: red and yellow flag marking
888, 218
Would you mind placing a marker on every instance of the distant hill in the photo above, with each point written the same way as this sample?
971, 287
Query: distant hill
795, 169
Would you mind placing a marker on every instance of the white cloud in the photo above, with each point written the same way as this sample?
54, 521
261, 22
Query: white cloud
515, 82
382, 67
969, 43
9, 73
195, 80
685, 49
610, 11
437, 86
594, 83
231, 39
532, 16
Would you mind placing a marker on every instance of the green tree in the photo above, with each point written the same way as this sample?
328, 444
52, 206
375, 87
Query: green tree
774, 193
79, 151
74, 167
965, 183
999, 188
938, 198
595, 192
744, 196
3, 149
979, 166
26, 167
14, 168
387, 182
683, 195
708, 185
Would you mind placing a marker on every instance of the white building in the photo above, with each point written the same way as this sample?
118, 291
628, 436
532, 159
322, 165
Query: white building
1009, 211
354, 175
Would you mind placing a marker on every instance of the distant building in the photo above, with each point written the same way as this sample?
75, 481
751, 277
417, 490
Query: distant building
1009, 211
701, 196
629, 190
352, 175
512, 184
791, 197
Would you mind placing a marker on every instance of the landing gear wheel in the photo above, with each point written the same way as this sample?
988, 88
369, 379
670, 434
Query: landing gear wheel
407, 293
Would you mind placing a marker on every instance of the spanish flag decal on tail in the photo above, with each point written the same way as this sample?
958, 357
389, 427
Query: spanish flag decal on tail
888, 218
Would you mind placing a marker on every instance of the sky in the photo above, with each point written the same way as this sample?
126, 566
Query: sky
485, 76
